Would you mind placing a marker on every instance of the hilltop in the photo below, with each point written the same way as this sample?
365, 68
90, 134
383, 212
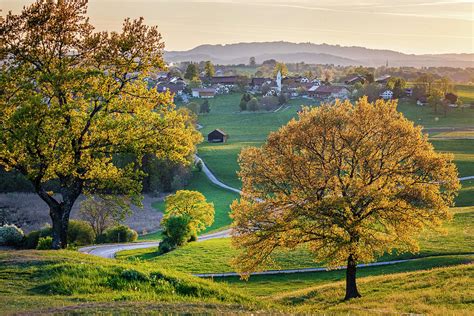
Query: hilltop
240, 53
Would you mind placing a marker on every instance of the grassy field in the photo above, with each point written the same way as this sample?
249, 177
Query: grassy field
441, 291
465, 92
66, 281
251, 129
273, 285
213, 256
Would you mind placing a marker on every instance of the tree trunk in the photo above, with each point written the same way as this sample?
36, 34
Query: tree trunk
351, 285
60, 218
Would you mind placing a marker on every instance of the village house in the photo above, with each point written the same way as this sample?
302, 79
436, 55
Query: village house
383, 79
217, 136
174, 85
351, 80
451, 98
225, 80
257, 83
387, 95
203, 93
328, 92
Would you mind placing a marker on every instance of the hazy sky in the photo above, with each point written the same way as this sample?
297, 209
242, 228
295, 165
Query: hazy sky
411, 26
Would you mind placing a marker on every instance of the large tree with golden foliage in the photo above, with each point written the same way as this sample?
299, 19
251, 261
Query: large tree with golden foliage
72, 99
349, 181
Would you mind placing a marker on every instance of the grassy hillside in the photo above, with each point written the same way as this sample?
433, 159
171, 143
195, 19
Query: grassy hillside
54, 281
213, 256
465, 92
65, 282
441, 291
251, 129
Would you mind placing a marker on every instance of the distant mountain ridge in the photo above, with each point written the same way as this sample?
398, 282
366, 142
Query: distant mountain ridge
315, 54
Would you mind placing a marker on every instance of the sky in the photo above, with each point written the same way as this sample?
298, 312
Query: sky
409, 26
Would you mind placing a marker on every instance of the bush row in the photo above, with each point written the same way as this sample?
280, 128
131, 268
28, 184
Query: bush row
80, 233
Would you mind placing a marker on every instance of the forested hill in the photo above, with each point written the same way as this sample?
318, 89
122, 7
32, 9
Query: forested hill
316, 53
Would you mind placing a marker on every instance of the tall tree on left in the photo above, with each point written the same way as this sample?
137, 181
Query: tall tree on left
72, 99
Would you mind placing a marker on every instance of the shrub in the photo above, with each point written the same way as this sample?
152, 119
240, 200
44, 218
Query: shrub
120, 233
205, 107
31, 240
177, 232
269, 102
80, 233
10, 235
45, 243
282, 99
252, 105
194, 107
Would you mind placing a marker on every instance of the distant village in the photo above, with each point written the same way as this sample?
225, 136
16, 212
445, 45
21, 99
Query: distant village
204, 80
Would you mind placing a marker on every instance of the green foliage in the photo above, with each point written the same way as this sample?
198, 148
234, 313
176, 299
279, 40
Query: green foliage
193, 206
177, 232
246, 97
205, 107
192, 72
193, 107
45, 243
269, 103
120, 233
397, 85
31, 240
282, 99
80, 233
252, 105
86, 102
101, 212
10, 235
209, 70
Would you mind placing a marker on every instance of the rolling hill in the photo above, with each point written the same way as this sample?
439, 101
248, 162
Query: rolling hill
316, 54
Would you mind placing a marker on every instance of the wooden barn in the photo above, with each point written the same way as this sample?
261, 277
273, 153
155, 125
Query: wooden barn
217, 136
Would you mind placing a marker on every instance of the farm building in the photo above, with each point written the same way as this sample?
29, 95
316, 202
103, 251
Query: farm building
335, 92
351, 80
451, 98
225, 80
204, 93
217, 136
383, 79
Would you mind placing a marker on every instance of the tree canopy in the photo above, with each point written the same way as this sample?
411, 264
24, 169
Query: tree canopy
351, 181
73, 99
190, 204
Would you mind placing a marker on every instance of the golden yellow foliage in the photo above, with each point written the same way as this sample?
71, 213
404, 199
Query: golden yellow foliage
351, 181
72, 100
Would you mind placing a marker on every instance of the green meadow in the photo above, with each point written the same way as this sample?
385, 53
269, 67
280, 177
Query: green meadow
251, 129
214, 256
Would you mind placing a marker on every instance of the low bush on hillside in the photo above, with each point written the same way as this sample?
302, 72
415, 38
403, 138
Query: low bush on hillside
80, 233
119, 233
31, 240
10, 235
45, 243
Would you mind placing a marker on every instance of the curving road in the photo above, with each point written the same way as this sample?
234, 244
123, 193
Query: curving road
213, 178
109, 250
